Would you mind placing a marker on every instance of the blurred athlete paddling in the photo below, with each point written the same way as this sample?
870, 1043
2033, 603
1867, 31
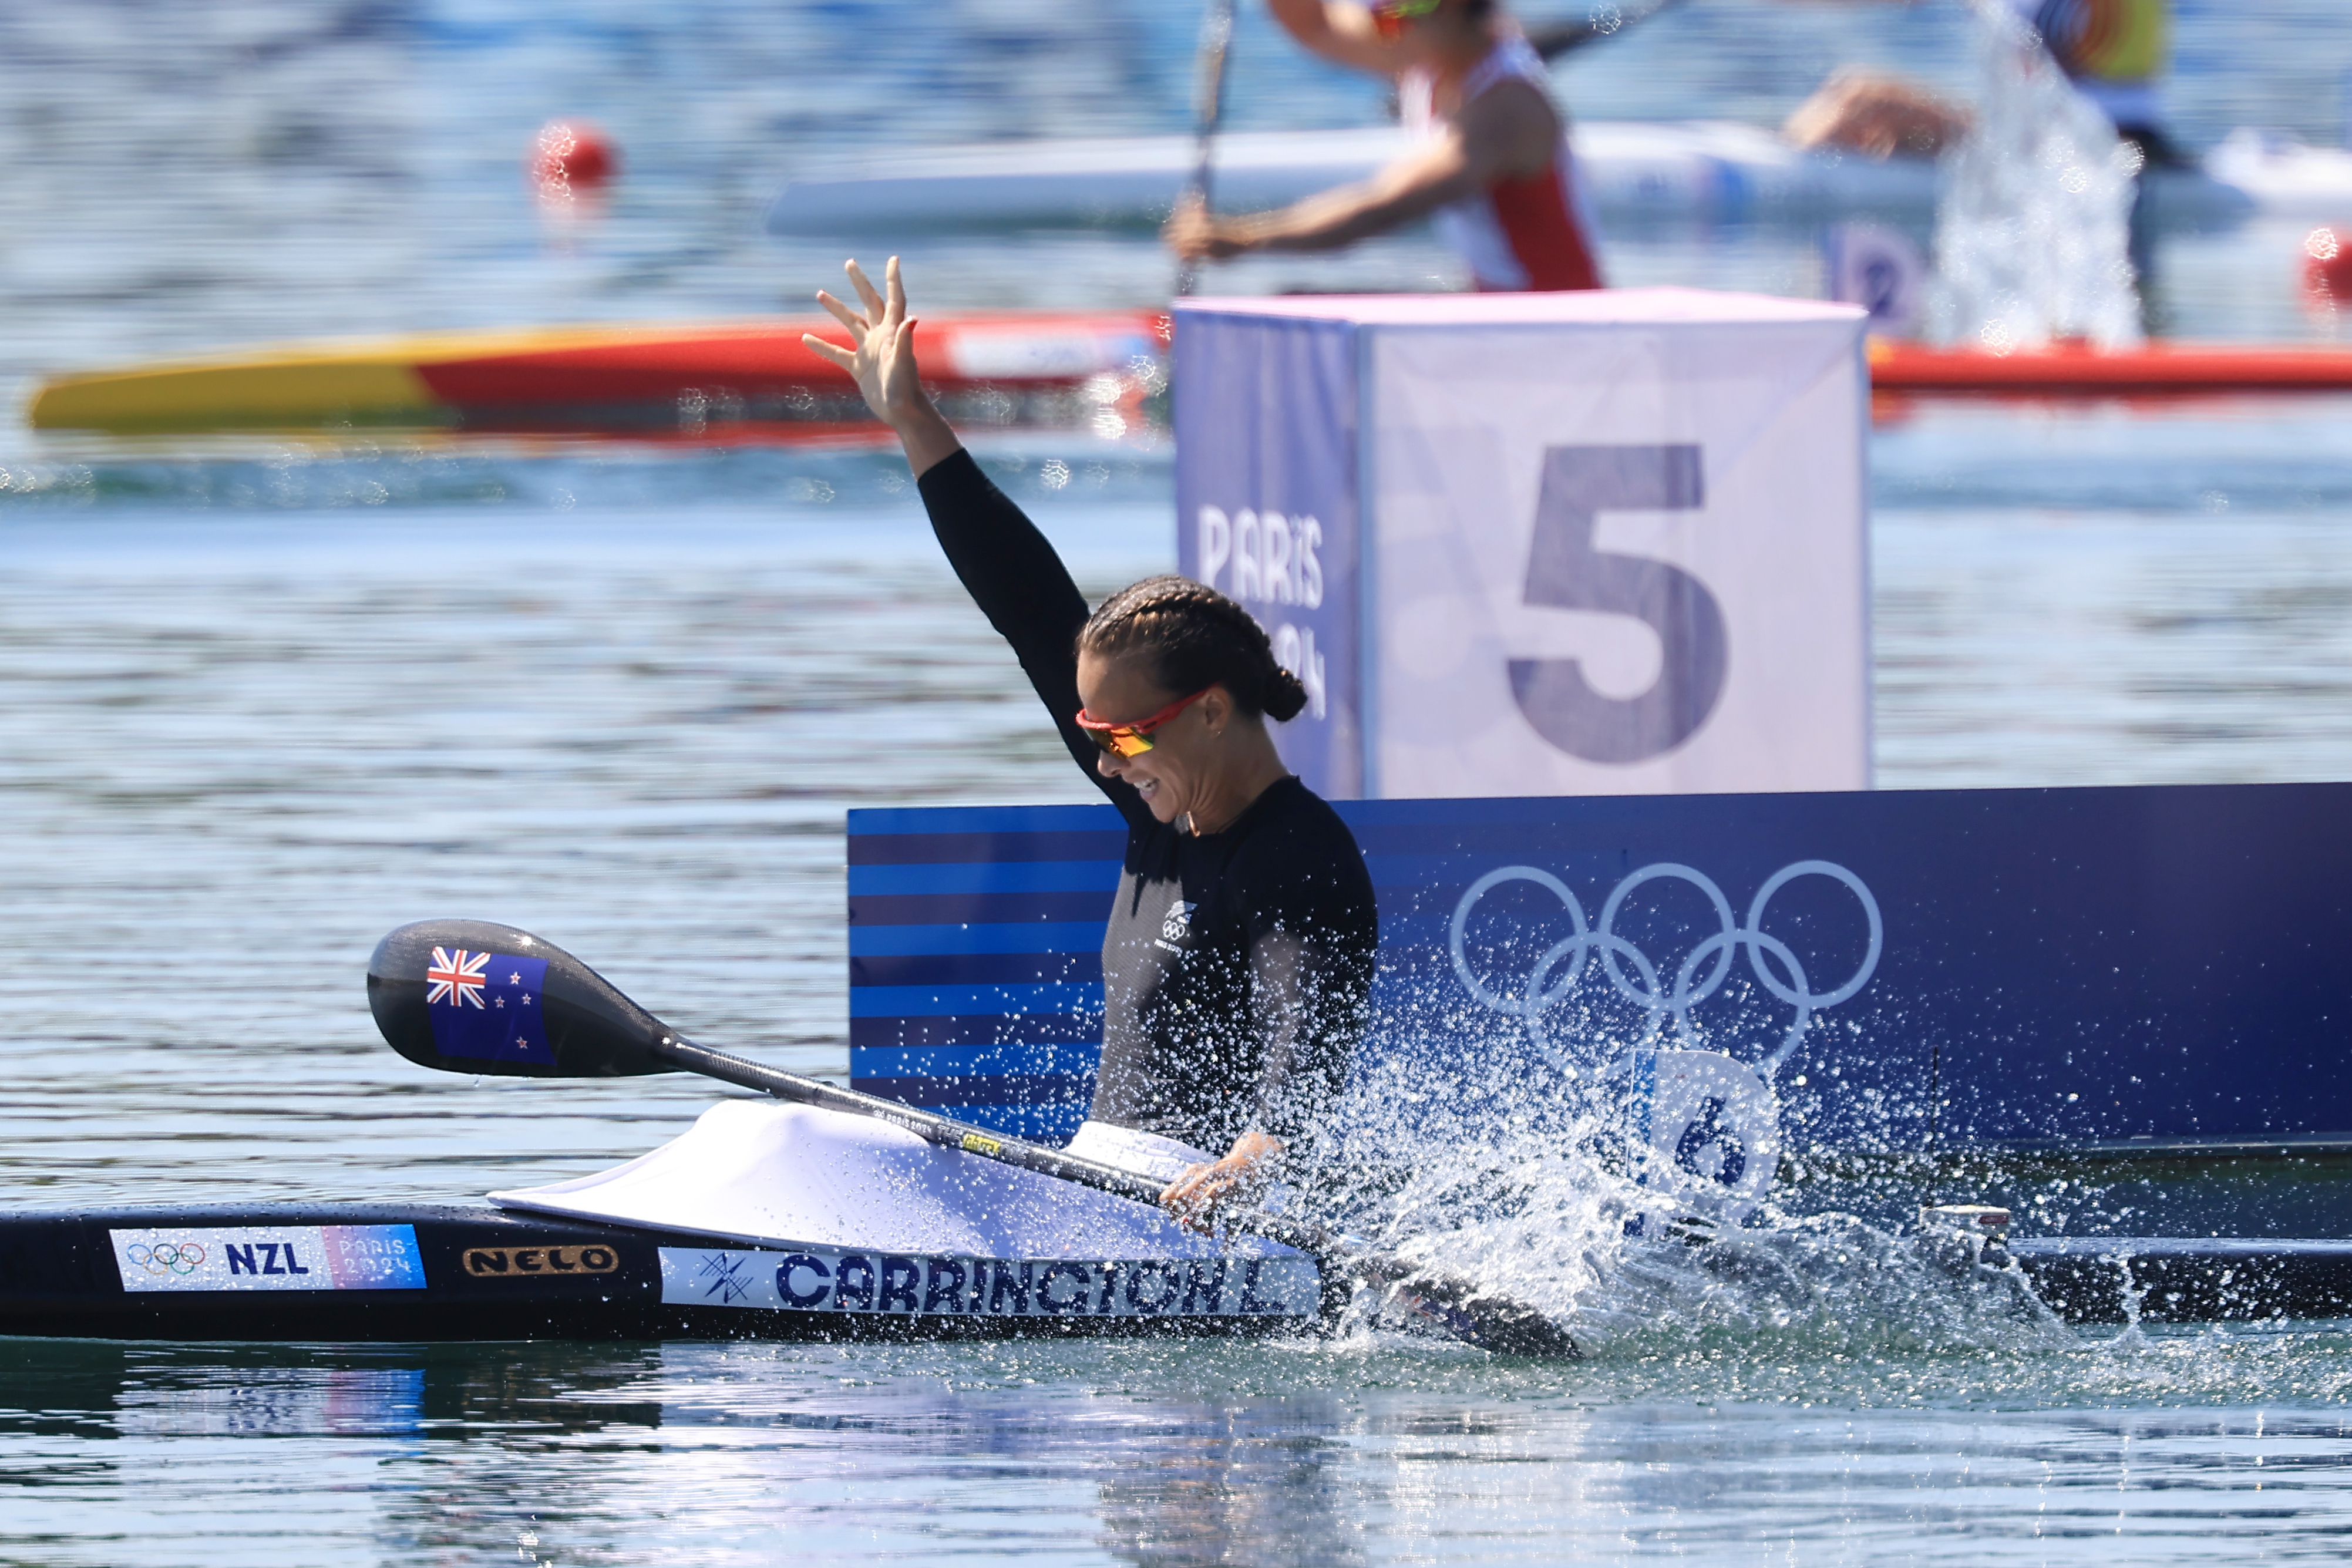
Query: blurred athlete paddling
1493, 172
1237, 964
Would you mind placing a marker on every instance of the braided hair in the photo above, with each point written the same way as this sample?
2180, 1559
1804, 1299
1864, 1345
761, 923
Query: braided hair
1195, 638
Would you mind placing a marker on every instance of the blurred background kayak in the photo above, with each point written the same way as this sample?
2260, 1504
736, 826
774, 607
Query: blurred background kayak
757, 381
1632, 169
669, 376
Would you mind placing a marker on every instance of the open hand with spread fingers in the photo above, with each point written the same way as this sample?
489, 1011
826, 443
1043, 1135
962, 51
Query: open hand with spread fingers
881, 359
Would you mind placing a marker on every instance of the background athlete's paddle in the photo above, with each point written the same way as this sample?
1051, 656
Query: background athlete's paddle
474, 997
1216, 42
1553, 39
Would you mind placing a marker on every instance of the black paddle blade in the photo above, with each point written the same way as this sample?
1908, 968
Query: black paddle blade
475, 996
1492, 1322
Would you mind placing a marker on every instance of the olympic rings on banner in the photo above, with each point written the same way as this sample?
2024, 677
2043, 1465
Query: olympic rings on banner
1570, 955
166, 1256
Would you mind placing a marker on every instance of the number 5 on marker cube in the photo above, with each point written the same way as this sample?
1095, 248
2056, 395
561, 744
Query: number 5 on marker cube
1566, 571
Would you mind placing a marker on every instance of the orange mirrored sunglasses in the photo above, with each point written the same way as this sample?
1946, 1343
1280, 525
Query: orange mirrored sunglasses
1134, 740
1389, 16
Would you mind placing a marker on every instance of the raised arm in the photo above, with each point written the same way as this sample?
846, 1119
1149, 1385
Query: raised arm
1007, 566
1339, 31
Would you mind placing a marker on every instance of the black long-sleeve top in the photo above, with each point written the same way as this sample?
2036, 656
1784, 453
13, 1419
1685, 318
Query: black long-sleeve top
1237, 965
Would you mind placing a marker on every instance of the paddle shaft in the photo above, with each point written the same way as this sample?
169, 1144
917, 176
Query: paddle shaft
1216, 41
1553, 39
952, 1135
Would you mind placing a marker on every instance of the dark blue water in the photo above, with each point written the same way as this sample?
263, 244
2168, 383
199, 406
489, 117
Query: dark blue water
262, 699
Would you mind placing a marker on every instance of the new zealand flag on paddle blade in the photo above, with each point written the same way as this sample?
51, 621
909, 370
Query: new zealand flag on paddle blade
488, 1005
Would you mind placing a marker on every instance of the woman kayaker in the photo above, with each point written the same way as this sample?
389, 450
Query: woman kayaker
1491, 168
1238, 960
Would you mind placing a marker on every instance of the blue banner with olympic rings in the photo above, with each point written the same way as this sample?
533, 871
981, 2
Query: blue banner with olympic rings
1899, 971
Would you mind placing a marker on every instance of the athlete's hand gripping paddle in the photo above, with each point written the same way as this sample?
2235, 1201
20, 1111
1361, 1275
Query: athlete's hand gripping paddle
475, 997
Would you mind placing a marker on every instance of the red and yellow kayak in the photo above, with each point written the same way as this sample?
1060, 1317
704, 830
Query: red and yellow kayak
673, 376
625, 375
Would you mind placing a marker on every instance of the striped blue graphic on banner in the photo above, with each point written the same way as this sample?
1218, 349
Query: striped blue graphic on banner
975, 960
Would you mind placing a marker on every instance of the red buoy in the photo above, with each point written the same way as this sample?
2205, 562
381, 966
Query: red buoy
571, 159
2327, 264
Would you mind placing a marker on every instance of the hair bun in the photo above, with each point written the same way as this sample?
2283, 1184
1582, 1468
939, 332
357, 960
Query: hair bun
1284, 696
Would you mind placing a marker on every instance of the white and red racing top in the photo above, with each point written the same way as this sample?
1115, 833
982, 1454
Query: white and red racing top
1529, 232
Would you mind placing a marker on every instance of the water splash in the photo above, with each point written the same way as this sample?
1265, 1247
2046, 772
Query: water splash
2032, 230
1550, 1201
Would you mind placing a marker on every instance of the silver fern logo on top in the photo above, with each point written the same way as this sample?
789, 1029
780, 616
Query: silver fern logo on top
1176, 926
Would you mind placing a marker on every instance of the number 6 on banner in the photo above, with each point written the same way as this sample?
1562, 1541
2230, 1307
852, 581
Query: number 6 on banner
1565, 571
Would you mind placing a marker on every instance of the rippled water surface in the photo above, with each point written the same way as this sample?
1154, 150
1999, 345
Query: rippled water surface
262, 700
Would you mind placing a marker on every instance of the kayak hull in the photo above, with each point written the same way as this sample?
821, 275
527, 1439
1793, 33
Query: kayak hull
384, 1273
482, 1274
2187, 1280
633, 375
1634, 171
2077, 373
662, 378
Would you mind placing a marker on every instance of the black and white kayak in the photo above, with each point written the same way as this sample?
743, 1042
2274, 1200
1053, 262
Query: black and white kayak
879, 1249
821, 1214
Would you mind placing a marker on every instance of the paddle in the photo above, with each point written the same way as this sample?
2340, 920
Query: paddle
1216, 40
1553, 39
474, 997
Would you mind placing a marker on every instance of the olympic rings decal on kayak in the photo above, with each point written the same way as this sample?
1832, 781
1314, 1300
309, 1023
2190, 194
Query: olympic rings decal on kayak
167, 1256
1563, 965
